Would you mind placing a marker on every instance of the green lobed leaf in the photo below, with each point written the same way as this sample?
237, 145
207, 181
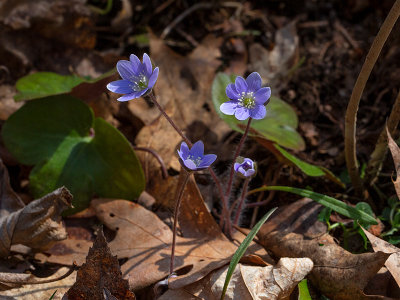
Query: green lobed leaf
304, 294
44, 84
242, 249
278, 126
54, 134
336, 205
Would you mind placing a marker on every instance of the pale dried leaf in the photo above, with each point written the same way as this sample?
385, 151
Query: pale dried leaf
41, 291
395, 150
393, 262
273, 65
249, 282
337, 273
37, 225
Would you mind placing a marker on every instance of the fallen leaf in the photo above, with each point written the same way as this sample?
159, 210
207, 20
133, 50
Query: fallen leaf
274, 65
40, 220
393, 262
395, 150
338, 273
42, 291
248, 282
100, 271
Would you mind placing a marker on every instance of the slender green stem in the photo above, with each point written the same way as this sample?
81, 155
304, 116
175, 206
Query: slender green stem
352, 108
239, 147
176, 213
242, 197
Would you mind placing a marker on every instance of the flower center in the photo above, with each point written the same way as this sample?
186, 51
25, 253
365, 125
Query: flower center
139, 83
247, 100
246, 166
196, 160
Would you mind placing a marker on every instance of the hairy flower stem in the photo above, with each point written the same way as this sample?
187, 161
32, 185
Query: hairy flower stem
352, 108
154, 99
189, 143
239, 147
176, 213
157, 157
242, 197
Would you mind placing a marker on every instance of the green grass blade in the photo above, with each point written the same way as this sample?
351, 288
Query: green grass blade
336, 205
242, 249
304, 294
52, 296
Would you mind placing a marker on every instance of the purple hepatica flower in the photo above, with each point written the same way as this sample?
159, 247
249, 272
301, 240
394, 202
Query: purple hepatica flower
248, 98
247, 168
137, 78
194, 159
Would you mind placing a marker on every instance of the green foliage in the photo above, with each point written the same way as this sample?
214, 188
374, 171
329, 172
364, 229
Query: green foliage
44, 84
391, 214
332, 203
304, 294
242, 249
278, 126
54, 135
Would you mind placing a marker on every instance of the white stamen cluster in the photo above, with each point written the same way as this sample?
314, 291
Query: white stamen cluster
247, 100
139, 83
196, 160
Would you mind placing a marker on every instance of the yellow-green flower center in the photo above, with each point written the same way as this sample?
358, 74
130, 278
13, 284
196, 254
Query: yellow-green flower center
247, 100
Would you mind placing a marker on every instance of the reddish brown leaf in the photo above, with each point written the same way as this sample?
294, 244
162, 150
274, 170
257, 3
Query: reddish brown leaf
101, 271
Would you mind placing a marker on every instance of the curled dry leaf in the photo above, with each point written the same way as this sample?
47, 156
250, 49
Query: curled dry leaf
393, 262
338, 273
248, 282
43, 290
395, 150
40, 220
101, 271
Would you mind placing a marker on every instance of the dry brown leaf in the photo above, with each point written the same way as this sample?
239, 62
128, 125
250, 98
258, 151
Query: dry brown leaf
338, 273
41, 291
395, 150
37, 225
100, 271
275, 64
393, 262
145, 240
248, 282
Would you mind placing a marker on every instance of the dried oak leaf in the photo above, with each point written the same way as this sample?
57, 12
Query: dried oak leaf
338, 273
100, 271
248, 282
145, 240
395, 150
37, 225
393, 262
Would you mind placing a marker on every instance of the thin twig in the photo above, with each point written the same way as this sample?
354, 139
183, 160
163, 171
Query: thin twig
352, 108
157, 157
36, 281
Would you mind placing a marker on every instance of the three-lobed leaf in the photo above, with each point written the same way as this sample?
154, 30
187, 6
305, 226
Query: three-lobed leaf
68, 146
278, 126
